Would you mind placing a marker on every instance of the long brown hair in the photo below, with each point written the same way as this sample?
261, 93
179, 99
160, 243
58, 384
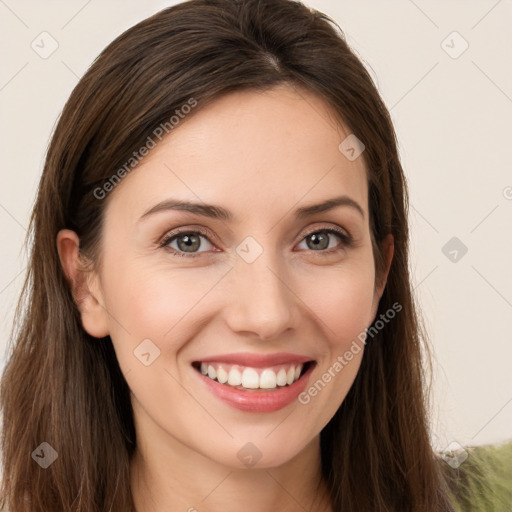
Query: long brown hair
64, 387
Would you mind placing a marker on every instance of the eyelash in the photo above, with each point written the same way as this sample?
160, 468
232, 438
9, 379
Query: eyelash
346, 240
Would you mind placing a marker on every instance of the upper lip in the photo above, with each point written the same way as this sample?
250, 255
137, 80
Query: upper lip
257, 360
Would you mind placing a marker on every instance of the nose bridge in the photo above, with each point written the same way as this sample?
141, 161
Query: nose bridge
262, 302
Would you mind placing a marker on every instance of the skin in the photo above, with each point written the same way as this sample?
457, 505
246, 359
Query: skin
260, 155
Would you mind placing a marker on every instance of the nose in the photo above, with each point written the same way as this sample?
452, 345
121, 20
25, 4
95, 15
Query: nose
262, 303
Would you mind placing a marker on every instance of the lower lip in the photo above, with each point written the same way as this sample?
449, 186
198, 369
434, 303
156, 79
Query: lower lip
260, 400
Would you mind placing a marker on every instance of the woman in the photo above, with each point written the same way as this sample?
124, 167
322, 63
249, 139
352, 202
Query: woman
219, 313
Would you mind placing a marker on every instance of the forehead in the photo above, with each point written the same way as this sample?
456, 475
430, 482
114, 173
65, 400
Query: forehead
250, 149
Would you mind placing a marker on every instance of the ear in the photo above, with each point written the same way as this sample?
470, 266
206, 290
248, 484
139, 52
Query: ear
84, 284
388, 248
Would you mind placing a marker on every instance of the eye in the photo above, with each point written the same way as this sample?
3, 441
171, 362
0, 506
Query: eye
187, 243
322, 239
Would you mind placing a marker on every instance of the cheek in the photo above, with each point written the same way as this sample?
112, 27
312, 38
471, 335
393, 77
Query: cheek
342, 299
150, 302
160, 305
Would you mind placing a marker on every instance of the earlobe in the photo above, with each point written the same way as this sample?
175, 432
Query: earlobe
83, 284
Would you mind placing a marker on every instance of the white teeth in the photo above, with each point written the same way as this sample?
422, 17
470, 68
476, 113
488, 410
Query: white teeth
222, 375
281, 377
251, 378
268, 379
235, 377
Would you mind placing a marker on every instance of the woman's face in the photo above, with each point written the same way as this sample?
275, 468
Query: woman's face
257, 287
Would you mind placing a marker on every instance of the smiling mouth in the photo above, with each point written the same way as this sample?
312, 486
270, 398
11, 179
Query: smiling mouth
253, 379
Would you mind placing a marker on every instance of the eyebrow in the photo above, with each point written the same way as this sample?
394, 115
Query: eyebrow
217, 212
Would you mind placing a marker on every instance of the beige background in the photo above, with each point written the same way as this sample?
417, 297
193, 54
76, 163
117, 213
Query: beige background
454, 123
